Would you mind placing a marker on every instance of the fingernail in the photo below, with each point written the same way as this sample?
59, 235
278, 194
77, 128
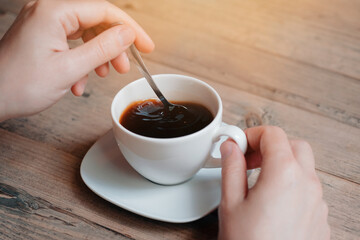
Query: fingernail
127, 35
226, 149
116, 23
83, 85
126, 58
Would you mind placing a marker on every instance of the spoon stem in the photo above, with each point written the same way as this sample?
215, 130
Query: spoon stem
142, 68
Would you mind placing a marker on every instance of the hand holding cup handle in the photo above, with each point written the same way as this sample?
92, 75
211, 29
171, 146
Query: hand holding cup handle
233, 132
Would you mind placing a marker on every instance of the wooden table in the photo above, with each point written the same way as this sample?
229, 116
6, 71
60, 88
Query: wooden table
294, 64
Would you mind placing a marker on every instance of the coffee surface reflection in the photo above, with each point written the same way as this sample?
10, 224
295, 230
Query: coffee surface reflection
149, 118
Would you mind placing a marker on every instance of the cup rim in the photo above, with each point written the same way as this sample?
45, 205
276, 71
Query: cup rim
172, 139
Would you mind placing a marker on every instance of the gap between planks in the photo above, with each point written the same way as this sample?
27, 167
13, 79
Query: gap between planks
52, 148
45, 193
352, 120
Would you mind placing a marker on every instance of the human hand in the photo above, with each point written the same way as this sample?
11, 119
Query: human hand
286, 201
37, 67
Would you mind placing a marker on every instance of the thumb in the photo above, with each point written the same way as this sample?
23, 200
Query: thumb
99, 50
234, 178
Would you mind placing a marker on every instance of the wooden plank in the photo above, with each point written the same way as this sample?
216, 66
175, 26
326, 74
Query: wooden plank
13, 6
252, 70
341, 16
260, 57
27, 217
180, 44
6, 19
294, 30
51, 180
273, 77
322, 133
41, 127
335, 144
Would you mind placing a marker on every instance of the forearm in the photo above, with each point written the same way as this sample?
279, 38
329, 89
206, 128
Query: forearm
6, 93
4, 115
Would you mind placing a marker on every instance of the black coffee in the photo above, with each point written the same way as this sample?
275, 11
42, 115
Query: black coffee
149, 118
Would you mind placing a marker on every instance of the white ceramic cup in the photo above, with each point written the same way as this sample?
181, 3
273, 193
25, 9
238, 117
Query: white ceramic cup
172, 160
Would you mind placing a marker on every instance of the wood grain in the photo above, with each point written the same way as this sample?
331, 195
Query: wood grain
91, 118
231, 55
291, 64
303, 31
53, 176
57, 196
28, 217
12, 6
253, 70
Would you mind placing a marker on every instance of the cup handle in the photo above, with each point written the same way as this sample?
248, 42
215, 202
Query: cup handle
233, 132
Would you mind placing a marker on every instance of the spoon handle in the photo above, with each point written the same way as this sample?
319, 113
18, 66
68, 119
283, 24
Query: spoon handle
142, 68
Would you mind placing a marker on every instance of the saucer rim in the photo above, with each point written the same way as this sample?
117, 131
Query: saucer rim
132, 209
87, 180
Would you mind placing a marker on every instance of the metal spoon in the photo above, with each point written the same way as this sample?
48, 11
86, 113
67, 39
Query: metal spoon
142, 68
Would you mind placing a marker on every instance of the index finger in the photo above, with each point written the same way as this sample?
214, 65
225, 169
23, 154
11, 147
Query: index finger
95, 12
273, 145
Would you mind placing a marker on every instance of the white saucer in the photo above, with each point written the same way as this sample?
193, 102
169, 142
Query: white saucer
106, 172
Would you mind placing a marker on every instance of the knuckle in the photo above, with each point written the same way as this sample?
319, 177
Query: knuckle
29, 4
42, 3
302, 144
67, 64
106, 4
292, 169
291, 173
103, 5
271, 130
102, 51
316, 185
226, 207
232, 168
70, 24
314, 189
325, 208
46, 8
